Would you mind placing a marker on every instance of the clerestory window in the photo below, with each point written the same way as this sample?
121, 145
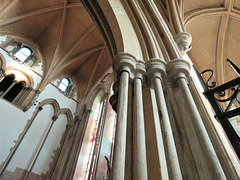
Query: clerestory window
23, 54
64, 84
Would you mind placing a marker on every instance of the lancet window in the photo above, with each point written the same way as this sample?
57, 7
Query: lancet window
66, 86
97, 146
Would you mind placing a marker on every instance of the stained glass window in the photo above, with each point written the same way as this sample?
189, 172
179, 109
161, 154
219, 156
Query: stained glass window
98, 141
87, 149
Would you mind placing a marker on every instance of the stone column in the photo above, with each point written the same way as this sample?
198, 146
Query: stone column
54, 118
139, 141
156, 69
123, 64
129, 139
178, 70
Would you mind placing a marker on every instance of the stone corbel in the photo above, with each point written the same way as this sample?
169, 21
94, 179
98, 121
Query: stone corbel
183, 40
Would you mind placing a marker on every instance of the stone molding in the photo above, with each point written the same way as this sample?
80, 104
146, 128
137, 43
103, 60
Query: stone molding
140, 71
124, 62
156, 68
178, 68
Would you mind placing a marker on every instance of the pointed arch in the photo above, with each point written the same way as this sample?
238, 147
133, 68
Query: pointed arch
51, 102
116, 30
92, 95
68, 114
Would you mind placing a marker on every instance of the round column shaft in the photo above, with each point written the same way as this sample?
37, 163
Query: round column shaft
140, 155
209, 151
156, 70
118, 168
167, 130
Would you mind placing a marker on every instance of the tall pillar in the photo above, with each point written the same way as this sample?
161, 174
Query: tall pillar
139, 141
123, 64
156, 69
178, 70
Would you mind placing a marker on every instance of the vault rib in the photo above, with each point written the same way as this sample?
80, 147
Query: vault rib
94, 71
7, 8
68, 52
37, 12
88, 51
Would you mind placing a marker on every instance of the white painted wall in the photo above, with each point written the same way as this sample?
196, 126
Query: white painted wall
13, 122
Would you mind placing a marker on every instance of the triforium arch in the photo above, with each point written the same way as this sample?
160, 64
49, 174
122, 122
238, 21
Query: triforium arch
27, 78
56, 108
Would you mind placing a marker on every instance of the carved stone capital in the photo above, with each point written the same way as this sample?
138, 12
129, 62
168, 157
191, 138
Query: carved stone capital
140, 71
178, 68
124, 62
156, 68
183, 40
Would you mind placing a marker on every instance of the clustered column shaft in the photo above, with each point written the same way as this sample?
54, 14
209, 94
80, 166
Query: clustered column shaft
139, 142
179, 71
156, 69
129, 71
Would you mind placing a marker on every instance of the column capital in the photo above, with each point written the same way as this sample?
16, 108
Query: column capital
178, 68
140, 70
183, 40
156, 68
124, 62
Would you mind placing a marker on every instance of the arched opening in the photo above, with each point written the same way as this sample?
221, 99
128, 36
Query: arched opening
6, 83
64, 84
14, 91
23, 54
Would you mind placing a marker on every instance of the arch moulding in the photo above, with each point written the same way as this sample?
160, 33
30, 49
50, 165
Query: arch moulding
115, 26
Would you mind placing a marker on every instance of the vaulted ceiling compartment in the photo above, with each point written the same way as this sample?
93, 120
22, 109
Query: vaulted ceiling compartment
215, 28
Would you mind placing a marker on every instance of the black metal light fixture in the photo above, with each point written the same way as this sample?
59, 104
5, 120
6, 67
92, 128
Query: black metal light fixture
224, 94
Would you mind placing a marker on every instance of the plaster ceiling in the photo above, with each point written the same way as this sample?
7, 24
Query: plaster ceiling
70, 43
215, 28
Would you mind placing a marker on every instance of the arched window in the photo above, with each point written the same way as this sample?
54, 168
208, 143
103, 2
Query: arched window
98, 141
6, 83
14, 91
64, 84
23, 53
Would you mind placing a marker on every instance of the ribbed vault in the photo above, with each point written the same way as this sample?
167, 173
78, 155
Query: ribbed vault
68, 40
215, 28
